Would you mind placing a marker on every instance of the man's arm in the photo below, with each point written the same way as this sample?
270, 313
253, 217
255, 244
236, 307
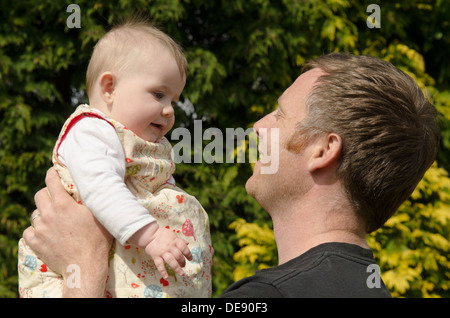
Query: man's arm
67, 234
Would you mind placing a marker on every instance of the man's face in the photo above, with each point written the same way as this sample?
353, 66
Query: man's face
291, 177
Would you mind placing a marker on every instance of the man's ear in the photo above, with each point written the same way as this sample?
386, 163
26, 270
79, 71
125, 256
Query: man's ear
326, 150
107, 86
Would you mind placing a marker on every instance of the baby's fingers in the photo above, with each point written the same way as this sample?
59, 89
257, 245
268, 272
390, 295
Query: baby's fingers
175, 262
184, 249
159, 263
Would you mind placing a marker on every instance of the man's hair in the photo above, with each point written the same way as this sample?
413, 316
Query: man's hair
118, 49
389, 130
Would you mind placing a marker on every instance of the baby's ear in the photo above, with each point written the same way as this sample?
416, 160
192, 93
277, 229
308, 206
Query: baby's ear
107, 84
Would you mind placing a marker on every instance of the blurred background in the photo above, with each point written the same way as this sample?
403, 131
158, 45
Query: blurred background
242, 55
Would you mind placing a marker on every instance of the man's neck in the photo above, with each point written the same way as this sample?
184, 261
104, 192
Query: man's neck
310, 225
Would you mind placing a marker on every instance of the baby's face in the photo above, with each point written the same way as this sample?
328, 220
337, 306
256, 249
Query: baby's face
145, 95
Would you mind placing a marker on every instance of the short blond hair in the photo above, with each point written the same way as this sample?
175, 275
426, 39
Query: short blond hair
114, 51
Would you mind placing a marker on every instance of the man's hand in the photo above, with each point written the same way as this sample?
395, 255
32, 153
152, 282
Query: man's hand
67, 233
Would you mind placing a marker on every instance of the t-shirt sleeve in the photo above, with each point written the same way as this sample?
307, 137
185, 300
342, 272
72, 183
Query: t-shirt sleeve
95, 159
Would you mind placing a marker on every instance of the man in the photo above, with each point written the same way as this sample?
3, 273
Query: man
356, 135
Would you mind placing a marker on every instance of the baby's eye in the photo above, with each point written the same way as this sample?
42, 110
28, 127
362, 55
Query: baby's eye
174, 104
158, 95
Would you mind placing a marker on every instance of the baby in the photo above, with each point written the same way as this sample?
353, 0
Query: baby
113, 157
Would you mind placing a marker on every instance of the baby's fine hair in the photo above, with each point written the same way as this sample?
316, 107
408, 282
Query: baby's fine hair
117, 49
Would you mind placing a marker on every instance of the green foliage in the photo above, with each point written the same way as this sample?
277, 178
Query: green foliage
258, 248
413, 247
242, 54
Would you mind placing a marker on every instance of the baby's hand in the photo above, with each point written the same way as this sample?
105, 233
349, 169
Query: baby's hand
165, 246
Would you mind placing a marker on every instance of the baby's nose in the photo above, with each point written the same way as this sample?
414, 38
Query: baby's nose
167, 111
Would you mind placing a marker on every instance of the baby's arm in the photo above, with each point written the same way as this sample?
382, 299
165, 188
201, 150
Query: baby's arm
94, 156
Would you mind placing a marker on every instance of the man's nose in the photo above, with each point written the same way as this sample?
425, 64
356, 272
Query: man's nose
262, 123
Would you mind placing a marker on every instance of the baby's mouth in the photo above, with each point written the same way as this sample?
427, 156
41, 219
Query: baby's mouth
157, 126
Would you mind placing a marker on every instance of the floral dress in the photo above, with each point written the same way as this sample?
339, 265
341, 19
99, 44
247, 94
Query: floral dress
132, 273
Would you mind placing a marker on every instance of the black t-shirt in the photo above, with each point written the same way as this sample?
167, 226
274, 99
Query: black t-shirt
327, 270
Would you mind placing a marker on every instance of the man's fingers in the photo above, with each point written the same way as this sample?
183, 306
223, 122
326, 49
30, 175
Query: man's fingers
42, 200
53, 182
28, 235
34, 218
56, 190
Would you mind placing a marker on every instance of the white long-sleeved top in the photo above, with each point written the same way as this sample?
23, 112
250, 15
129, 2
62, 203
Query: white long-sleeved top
94, 156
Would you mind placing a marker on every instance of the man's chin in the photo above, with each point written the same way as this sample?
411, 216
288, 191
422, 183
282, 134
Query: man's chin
250, 185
